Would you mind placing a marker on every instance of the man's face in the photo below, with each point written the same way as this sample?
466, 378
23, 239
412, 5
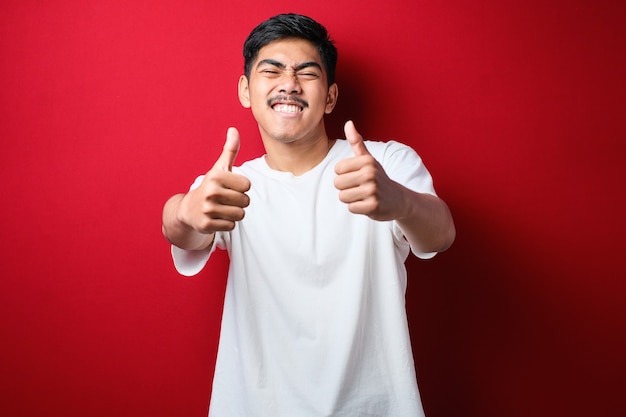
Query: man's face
288, 91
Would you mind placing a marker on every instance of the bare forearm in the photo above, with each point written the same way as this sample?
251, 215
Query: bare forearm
427, 222
180, 234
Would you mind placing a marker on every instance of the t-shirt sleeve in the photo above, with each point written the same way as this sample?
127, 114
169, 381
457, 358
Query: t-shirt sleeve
191, 262
403, 165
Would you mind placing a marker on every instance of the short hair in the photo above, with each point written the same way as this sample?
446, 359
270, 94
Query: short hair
290, 25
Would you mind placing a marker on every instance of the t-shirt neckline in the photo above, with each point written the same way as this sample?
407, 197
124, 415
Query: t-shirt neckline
287, 174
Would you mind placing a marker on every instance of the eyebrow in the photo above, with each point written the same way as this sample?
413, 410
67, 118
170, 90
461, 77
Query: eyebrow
297, 68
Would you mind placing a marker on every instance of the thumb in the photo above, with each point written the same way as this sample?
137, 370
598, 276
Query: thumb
231, 149
355, 139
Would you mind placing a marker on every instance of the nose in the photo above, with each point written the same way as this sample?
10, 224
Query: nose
289, 83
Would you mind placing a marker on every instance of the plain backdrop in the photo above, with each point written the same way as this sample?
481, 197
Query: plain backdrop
107, 108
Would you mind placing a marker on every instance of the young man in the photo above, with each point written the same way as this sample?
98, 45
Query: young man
317, 231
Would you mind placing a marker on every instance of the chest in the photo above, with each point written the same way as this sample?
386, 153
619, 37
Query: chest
299, 217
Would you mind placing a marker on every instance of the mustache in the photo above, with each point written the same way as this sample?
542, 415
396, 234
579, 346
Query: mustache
286, 98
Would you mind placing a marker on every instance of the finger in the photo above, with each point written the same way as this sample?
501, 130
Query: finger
229, 153
355, 139
351, 195
234, 199
347, 176
229, 180
228, 213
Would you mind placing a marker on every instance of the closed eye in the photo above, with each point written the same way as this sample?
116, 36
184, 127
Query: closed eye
307, 71
308, 75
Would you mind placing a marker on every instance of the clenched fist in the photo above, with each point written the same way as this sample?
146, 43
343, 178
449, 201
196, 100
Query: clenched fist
219, 201
190, 220
363, 184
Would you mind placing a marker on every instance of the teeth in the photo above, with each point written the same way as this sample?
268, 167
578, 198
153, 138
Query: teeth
287, 108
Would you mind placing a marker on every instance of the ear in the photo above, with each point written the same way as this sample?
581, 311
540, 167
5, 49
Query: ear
244, 92
331, 98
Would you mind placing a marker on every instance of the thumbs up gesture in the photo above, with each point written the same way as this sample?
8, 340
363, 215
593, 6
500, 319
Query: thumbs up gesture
219, 202
363, 184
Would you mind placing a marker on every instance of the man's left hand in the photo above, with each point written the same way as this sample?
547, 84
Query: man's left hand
363, 184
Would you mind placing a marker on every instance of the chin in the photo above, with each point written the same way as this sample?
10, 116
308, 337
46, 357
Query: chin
284, 135
285, 138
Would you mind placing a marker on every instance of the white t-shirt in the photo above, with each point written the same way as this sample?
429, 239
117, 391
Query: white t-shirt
314, 320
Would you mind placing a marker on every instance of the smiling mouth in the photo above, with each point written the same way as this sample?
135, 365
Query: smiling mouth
287, 108
285, 104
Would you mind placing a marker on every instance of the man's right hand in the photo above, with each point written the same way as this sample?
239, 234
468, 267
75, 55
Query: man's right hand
219, 202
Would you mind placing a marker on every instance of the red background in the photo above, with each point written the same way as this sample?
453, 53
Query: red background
518, 108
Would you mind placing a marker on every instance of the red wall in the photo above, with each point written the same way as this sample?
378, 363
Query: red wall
518, 108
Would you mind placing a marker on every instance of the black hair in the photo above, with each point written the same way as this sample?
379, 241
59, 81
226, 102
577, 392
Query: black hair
290, 25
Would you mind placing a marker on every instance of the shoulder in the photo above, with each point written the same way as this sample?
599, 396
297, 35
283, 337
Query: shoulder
402, 164
251, 166
378, 148
392, 152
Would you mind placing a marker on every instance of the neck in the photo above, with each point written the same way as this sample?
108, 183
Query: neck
298, 156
